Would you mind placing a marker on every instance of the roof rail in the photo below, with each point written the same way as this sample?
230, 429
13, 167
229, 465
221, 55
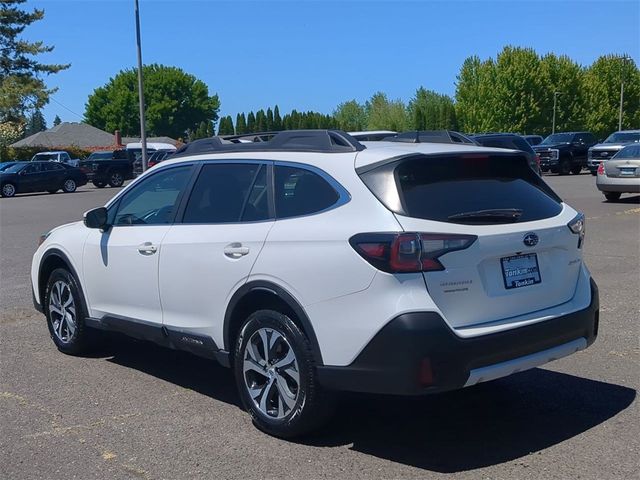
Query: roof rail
322, 141
432, 136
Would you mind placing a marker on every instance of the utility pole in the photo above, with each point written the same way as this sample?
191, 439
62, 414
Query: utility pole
624, 59
143, 130
555, 103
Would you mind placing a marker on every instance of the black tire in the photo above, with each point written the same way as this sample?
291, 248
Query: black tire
98, 184
80, 340
612, 196
594, 172
565, 167
576, 169
69, 185
116, 179
8, 190
312, 406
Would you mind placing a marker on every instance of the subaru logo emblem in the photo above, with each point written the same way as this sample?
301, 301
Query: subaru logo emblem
530, 239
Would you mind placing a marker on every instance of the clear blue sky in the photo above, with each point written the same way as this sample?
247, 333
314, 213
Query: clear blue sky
312, 55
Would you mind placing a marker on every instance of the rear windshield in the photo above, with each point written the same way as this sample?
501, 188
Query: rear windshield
467, 189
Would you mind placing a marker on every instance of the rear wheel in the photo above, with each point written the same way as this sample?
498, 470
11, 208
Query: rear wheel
8, 190
116, 179
276, 376
612, 196
576, 170
69, 186
98, 184
65, 311
565, 167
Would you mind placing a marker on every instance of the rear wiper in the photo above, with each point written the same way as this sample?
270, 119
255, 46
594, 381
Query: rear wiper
501, 214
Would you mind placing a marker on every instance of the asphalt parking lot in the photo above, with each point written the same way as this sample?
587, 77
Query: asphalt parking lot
133, 410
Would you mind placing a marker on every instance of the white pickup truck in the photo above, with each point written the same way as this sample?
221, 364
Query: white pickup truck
59, 156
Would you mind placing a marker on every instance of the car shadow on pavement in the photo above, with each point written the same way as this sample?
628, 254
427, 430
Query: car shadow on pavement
635, 200
476, 427
473, 428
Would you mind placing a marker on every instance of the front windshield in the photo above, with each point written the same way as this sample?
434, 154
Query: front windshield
557, 138
45, 157
15, 168
632, 151
623, 137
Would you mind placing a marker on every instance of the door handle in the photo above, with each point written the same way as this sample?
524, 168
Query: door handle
147, 248
235, 250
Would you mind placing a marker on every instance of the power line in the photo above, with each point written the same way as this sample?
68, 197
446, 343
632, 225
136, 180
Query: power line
66, 108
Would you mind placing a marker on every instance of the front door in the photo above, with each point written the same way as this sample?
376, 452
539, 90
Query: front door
210, 253
121, 265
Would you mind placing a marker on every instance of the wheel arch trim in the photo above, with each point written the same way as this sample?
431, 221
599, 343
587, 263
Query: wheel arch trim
281, 294
55, 252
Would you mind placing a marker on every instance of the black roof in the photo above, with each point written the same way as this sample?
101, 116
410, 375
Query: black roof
324, 141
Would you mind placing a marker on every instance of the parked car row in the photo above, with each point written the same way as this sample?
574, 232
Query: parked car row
37, 176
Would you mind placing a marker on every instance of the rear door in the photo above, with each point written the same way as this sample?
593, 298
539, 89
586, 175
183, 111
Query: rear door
525, 257
32, 178
210, 252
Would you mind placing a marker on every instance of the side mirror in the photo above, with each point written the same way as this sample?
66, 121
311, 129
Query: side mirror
96, 218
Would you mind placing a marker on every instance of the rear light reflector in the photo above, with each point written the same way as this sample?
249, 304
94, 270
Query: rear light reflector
577, 226
601, 168
408, 252
425, 374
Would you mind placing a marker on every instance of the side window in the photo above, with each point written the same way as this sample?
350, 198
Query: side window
301, 192
33, 168
229, 193
153, 200
521, 144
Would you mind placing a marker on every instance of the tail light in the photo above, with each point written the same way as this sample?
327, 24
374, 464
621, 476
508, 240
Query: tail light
408, 252
150, 163
601, 168
577, 226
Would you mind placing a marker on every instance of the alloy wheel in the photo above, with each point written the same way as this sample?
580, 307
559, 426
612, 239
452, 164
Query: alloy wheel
62, 311
69, 186
8, 190
271, 373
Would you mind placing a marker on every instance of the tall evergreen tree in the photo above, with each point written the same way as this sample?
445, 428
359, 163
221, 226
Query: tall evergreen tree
21, 86
35, 124
269, 120
261, 121
241, 124
56, 121
277, 120
251, 123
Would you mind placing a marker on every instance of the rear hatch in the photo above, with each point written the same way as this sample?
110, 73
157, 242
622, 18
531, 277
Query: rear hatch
622, 168
524, 256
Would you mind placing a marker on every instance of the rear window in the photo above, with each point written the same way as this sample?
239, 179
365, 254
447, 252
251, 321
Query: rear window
468, 189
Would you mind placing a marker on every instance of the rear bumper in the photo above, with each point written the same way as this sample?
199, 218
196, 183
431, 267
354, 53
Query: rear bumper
618, 184
421, 345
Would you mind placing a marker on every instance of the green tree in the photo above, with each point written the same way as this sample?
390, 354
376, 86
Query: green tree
176, 103
269, 121
384, 114
35, 124
562, 75
261, 121
475, 97
429, 110
204, 130
251, 123
602, 94
241, 123
350, 116
56, 121
22, 88
277, 120
226, 126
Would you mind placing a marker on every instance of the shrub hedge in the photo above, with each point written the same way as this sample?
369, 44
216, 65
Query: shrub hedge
9, 154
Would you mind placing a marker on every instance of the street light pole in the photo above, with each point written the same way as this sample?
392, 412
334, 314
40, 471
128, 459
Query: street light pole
143, 132
555, 102
624, 59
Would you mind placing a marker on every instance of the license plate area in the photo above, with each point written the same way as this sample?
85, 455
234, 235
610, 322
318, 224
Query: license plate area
520, 270
627, 171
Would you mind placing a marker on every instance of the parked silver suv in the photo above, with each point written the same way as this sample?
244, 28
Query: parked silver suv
612, 145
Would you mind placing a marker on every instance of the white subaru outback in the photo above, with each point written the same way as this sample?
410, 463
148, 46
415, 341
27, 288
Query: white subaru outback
312, 263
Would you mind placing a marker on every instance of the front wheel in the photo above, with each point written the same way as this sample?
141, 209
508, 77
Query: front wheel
576, 170
69, 186
565, 167
276, 377
116, 179
65, 311
612, 196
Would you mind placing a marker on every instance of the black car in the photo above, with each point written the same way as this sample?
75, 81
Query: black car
49, 177
159, 156
512, 142
566, 152
108, 168
533, 139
